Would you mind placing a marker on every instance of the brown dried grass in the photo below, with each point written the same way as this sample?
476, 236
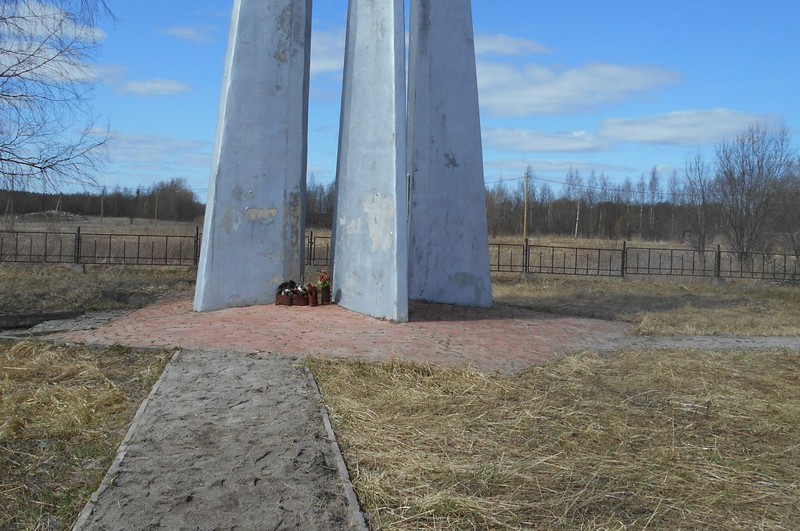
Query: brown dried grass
641, 440
64, 412
55, 288
662, 307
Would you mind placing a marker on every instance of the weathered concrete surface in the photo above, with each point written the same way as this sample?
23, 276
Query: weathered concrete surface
254, 224
370, 273
449, 249
225, 441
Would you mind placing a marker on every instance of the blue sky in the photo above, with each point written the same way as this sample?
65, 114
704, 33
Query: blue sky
617, 87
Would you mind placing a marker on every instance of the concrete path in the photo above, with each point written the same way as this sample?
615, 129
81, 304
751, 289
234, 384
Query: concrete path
226, 441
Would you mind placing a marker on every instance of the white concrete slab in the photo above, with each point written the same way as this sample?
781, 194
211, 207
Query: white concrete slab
449, 249
254, 225
370, 273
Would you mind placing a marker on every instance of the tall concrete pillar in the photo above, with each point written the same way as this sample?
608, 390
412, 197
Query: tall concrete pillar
370, 273
449, 249
253, 236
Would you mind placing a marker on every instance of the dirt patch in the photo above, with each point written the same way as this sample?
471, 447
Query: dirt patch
225, 441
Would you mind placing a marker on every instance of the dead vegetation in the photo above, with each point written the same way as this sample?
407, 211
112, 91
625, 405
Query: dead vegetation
662, 307
64, 412
681, 440
57, 288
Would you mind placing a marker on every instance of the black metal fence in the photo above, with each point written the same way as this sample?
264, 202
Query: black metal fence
90, 248
631, 261
619, 261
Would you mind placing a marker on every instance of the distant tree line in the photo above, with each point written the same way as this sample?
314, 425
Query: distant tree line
747, 197
167, 200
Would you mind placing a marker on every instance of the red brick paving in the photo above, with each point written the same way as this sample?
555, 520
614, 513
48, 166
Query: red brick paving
503, 339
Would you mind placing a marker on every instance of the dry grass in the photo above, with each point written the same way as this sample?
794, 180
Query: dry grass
64, 412
56, 288
660, 307
644, 440
110, 226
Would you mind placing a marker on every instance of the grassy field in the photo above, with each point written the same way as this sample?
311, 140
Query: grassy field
54, 288
64, 412
662, 307
681, 440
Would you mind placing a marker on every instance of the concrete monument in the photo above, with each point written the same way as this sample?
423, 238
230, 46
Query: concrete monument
430, 243
449, 242
370, 271
253, 236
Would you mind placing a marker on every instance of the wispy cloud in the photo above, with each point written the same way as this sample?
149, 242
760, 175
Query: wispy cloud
524, 140
141, 160
327, 51
507, 46
186, 33
153, 87
512, 91
154, 151
682, 128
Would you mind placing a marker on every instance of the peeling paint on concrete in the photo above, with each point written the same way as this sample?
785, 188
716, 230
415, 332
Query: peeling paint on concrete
370, 272
252, 236
380, 213
264, 215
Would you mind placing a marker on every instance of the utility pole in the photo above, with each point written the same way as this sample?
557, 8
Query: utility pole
102, 205
525, 209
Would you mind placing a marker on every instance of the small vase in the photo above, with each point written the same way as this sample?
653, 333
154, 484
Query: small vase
325, 294
312, 295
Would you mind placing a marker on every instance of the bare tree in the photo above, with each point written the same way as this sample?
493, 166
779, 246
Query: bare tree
653, 188
699, 196
675, 199
790, 213
750, 170
47, 133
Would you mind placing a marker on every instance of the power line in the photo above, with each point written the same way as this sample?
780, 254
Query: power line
618, 189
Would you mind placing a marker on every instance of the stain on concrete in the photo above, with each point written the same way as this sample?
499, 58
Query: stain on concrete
380, 213
450, 160
264, 215
231, 219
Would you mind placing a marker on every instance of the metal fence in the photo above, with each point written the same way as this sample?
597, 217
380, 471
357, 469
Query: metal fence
107, 249
619, 261
644, 261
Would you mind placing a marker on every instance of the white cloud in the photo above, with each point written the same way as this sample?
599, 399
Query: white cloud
189, 34
531, 141
508, 90
682, 128
507, 46
327, 51
153, 87
43, 20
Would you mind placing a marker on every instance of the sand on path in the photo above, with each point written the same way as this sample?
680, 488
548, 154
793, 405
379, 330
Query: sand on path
226, 440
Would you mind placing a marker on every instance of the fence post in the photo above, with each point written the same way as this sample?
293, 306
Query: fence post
624, 259
526, 257
718, 262
78, 246
196, 254
310, 249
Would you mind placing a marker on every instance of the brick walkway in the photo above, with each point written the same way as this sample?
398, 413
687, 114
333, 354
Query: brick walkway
503, 339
